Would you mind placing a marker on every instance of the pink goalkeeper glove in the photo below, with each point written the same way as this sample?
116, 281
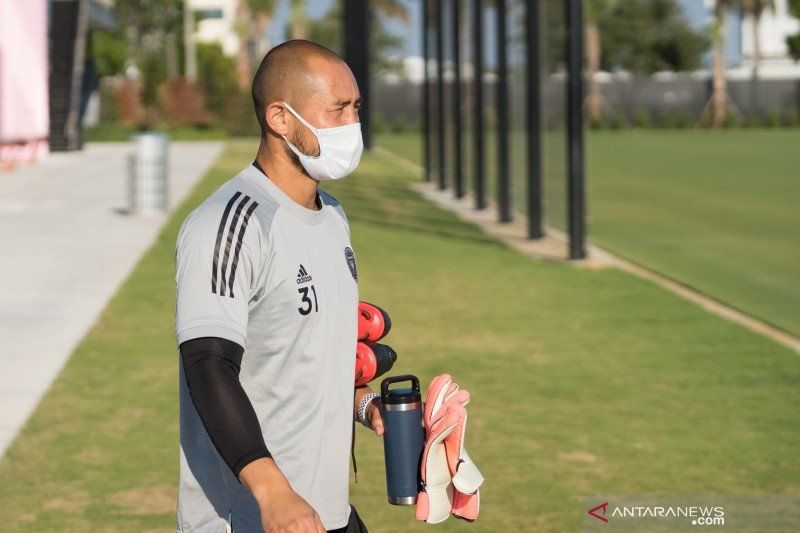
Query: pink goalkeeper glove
450, 479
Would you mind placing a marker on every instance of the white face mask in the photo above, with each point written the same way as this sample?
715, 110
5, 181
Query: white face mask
339, 150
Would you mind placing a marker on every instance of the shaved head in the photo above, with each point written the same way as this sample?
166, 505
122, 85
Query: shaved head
301, 89
289, 73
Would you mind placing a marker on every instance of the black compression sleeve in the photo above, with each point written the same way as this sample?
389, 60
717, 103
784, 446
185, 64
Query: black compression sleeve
211, 366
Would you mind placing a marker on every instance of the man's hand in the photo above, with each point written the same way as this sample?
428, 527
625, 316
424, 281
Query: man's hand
373, 412
282, 509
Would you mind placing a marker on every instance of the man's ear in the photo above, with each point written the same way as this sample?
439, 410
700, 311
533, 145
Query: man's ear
275, 115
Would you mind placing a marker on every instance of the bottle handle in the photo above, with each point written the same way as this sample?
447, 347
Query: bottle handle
397, 379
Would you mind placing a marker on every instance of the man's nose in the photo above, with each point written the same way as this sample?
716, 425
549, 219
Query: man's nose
352, 115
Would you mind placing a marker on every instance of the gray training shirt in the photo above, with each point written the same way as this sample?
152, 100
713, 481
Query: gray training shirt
254, 267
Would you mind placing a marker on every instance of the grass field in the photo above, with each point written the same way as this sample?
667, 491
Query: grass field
582, 381
715, 210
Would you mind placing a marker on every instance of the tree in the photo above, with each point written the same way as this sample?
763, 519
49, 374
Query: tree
109, 53
141, 20
252, 19
719, 82
793, 41
299, 20
756, 8
639, 36
595, 12
146, 26
328, 31
218, 75
647, 36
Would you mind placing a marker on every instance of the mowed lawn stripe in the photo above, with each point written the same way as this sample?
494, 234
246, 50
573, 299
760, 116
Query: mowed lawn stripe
715, 210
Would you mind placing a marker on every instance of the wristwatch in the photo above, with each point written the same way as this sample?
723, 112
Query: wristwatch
362, 408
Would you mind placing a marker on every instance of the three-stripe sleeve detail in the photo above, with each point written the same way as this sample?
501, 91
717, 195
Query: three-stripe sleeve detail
239, 239
220, 263
220, 230
229, 241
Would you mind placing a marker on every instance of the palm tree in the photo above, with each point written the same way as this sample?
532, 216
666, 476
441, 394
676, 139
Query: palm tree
384, 42
299, 20
394, 9
190, 51
719, 82
595, 9
252, 19
756, 8
719, 89
328, 31
793, 41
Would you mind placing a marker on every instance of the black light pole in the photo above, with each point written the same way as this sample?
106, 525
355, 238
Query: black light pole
426, 92
356, 54
480, 177
442, 170
575, 189
503, 185
534, 83
458, 177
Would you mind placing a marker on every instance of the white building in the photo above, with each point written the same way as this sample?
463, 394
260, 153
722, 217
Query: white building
217, 22
774, 26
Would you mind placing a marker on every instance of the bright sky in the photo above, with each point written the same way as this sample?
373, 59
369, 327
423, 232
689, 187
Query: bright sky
694, 10
317, 8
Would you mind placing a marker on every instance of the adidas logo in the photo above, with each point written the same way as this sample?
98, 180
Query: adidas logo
302, 275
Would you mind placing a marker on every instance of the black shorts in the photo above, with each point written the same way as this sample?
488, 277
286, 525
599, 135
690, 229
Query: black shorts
354, 525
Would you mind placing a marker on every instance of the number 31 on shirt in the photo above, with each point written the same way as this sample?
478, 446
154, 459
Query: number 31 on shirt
305, 300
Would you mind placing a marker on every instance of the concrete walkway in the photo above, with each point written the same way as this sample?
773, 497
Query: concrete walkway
67, 245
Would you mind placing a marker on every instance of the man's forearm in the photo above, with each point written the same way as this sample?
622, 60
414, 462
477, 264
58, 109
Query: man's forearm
211, 366
264, 479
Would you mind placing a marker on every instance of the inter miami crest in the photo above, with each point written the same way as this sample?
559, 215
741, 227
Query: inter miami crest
350, 257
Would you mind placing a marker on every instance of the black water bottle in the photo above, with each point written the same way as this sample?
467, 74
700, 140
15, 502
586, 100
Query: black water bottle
403, 438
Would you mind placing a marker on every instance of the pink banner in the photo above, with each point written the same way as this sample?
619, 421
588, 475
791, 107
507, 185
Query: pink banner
23, 79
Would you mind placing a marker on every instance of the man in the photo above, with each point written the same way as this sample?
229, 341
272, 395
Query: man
267, 293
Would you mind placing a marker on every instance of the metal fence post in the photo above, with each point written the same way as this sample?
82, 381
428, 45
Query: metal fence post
442, 170
503, 183
458, 177
534, 88
426, 92
480, 164
356, 53
575, 173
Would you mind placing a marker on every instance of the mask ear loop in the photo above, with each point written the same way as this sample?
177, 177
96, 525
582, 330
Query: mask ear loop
307, 125
301, 119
